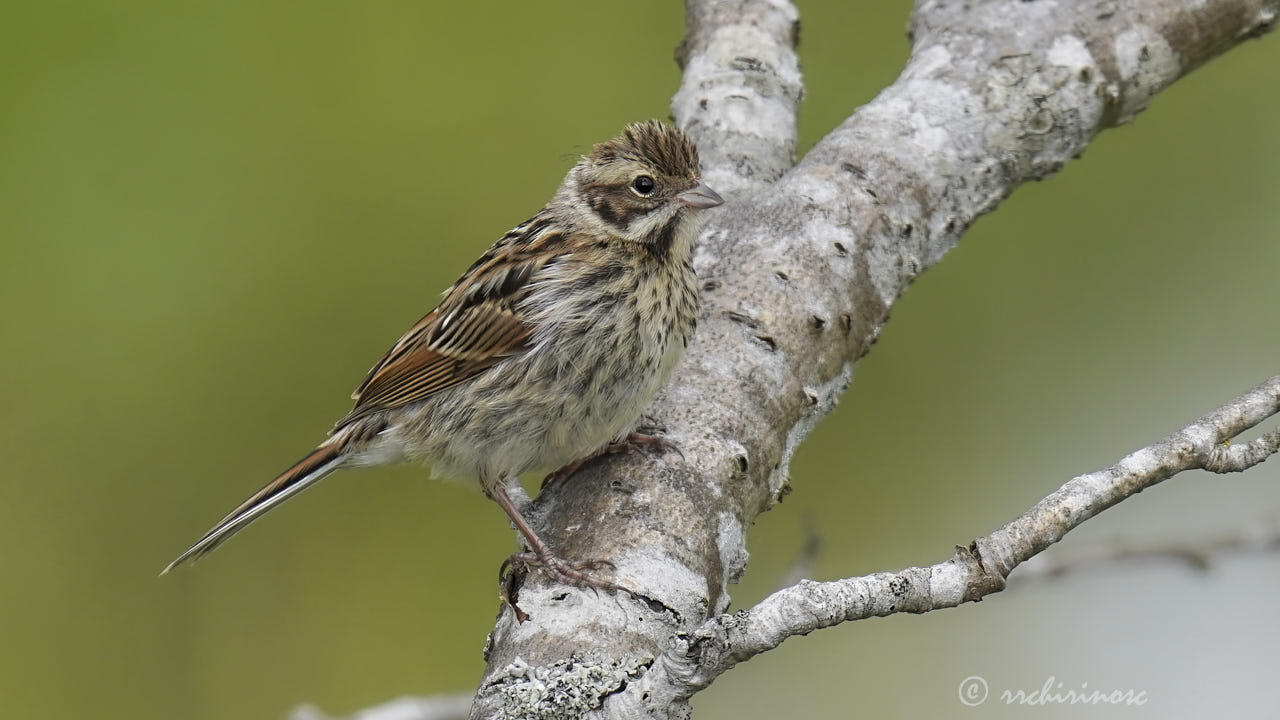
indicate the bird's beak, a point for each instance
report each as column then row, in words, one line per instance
column 700, row 197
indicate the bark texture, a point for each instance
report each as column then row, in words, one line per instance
column 798, row 272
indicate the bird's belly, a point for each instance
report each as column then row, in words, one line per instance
column 539, row 411
column 595, row 363
column 590, row 394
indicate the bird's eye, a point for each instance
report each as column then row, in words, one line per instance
column 642, row 185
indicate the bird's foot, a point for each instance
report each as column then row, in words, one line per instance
column 639, row 439
column 565, row 572
column 576, row 574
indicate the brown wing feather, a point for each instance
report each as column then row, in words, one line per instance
column 474, row 328
column 436, row 355
column 409, row 340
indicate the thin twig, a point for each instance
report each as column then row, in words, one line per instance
column 972, row 573
column 1199, row 556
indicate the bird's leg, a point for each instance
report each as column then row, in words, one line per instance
column 541, row 556
column 638, row 439
column 565, row 472
column 632, row 440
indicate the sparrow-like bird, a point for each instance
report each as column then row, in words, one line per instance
column 545, row 351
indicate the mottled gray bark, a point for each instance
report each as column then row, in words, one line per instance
column 694, row 660
column 799, row 270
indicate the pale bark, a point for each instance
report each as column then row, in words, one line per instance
column 694, row 661
column 799, row 270
column 444, row 707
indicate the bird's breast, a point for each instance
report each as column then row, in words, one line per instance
column 608, row 348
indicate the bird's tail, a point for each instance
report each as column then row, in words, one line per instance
column 305, row 473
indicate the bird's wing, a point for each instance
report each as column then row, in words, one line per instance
column 475, row 326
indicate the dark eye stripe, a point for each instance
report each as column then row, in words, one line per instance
column 606, row 211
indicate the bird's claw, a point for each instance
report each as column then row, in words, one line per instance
column 639, row 439
column 576, row 574
column 565, row 572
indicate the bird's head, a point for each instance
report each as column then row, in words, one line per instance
column 643, row 185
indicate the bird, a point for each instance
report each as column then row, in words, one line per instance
column 544, row 353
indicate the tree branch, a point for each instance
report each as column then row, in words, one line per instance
column 1236, row 458
column 799, row 270
column 972, row 573
column 1261, row 537
column 741, row 89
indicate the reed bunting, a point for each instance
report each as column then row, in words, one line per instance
column 545, row 351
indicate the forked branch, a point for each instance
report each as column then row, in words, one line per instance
column 972, row 572
column 799, row 270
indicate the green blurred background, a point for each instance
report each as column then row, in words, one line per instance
column 215, row 217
